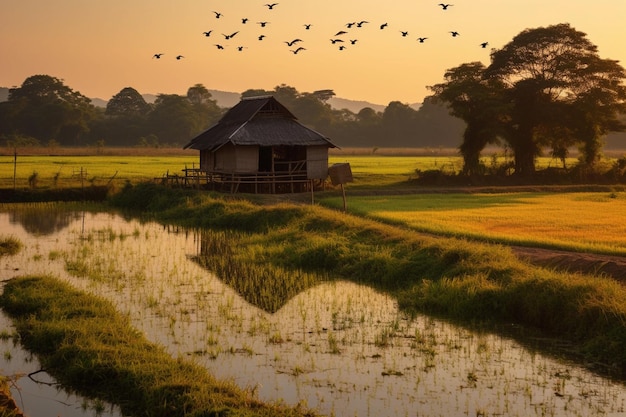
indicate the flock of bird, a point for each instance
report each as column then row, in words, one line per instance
column 338, row 39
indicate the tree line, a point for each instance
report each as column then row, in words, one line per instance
column 44, row 111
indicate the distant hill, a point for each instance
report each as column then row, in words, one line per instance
column 98, row 102
column 356, row 106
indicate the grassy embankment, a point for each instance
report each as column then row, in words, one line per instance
column 455, row 278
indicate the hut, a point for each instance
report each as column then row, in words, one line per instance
column 259, row 146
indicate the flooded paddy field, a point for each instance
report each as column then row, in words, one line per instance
column 337, row 347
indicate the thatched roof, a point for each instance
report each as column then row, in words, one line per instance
column 261, row 121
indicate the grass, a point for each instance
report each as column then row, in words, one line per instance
column 455, row 278
column 582, row 221
column 9, row 245
column 82, row 341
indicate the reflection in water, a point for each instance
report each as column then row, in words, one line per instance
column 268, row 288
column 38, row 222
column 335, row 346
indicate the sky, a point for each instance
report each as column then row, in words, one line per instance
column 99, row 47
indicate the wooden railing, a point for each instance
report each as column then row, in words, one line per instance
column 292, row 180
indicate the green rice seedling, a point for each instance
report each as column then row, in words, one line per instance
column 54, row 255
column 333, row 344
column 10, row 245
column 276, row 338
column 383, row 338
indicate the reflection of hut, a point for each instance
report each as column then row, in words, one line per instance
column 259, row 146
column 264, row 287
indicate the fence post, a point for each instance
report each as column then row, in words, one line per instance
column 14, row 166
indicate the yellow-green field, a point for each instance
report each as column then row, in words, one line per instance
column 581, row 221
column 64, row 171
column 63, row 167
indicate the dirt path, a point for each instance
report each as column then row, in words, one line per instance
column 612, row 266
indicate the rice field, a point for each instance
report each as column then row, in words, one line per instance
column 336, row 347
column 581, row 221
column 67, row 169
column 70, row 170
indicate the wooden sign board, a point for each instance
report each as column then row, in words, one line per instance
column 340, row 173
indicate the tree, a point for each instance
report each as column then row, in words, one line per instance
column 46, row 109
column 312, row 111
column 199, row 94
column 553, row 75
column 205, row 108
column 476, row 101
column 399, row 121
column 128, row 102
column 598, row 106
column 252, row 92
column 323, row 95
column 173, row 119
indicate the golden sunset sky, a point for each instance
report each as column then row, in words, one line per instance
column 98, row 47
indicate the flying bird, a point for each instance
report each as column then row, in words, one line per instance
column 384, row 25
column 353, row 41
column 230, row 36
column 271, row 6
column 293, row 42
column 244, row 20
column 404, row 33
column 262, row 24
column 349, row 25
column 307, row 26
column 179, row 57
column 219, row 46
column 218, row 15
column 342, row 47
column 157, row 56
column 484, row 44
column 341, row 32
column 241, row 48
column 454, row 33
column 295, row 51
column 445, row 6
column 261, row 37
column 334, row 41
column 421, row 39
column 207, row 34
column 360, row 24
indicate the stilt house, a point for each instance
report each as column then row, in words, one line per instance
column 259, row 146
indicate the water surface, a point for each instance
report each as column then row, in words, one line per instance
column 338, row 347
